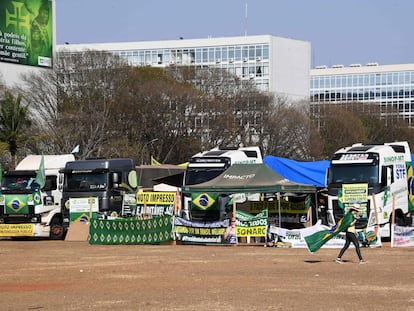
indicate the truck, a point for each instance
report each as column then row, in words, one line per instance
column 381, row 170
column 205, row 166
column 112, row 182
column 27, row 209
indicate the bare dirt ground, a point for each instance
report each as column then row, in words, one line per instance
column 62, row 275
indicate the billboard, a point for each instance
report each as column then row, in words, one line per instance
column 26, row 32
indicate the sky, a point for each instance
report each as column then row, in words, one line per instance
column 340, row 31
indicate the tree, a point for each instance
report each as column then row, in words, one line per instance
column 348, row 123
column 14, row 121
column 73, row 103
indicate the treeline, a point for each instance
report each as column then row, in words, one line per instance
column 110, row 109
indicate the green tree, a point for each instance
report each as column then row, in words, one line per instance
column 14, row 121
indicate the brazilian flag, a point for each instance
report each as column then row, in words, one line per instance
column 16, row 204
column 37, row 198
column 41, row 174
column 318, row 239
column 204, row 201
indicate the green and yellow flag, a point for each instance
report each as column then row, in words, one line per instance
column 316, row 240
column 41, row 174
column 154, row 161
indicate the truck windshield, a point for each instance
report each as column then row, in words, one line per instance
column 85, row 182
column 197, row 176
column 19, row 182
column 354, row 174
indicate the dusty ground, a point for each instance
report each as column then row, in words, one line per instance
column 62, row 275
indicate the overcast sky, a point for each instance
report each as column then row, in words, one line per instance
column 340, row 32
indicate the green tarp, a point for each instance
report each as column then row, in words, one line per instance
column 250, row 178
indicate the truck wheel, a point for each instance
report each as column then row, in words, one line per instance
column 56, row 229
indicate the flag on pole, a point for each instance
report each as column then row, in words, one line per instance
column 41, row 175
column 154, row 161
column 76, row 149
column 316, row 240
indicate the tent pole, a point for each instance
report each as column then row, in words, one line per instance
column 280, row 213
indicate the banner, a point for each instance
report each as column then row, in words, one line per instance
column 7, row 230
column 156, row 203
column 83, row 209
column 26, row 32
column 355, row 193
column 195, row 232
column 251, row 225
column 402, row 236
column 131, row 231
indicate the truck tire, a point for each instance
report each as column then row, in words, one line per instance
column 56, row 229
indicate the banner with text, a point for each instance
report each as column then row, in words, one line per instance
column 194, row 232
column 251, row 225
column 26, row 32
column 402, row 236
column 156, row 203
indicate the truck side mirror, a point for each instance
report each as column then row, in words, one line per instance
column 115, row 179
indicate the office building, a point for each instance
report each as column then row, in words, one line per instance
column 277, row 65
column 389, row 86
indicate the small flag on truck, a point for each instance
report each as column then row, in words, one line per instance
column 41, row 175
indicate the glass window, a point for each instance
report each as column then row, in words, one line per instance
column 147, row 57
column 154, row 57
column 407, row 79
column 266, row 71
column 245, row 71
column 265, row 51
column 218, row 54
column 238, row 71
column 205, row 55
column 231, row 52
column 179, row 56
column 198, row 54
column 224, row 54
column 238, row 53
column 258, row 51
column 211, row 55
column 245, row 53
column 258, row 71
column 252, row 51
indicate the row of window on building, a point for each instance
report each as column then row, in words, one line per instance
column 365, row 94
column 359, row 80
column 207, row 55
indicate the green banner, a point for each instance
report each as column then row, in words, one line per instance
column 16, row 204
column 131, row 231
column 26, row 32
column 196, row 232
column 251, row 225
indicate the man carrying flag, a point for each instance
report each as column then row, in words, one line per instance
column 347, row 223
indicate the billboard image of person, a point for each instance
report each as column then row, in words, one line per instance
column 26, row 32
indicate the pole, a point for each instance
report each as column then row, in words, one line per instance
column 392, row 220
column 143, row 147
column 376, row 215
column 278, row 207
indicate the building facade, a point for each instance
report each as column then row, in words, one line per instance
column 277, row 65
column 391, row 87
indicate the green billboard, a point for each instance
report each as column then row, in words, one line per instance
column 26, row 32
